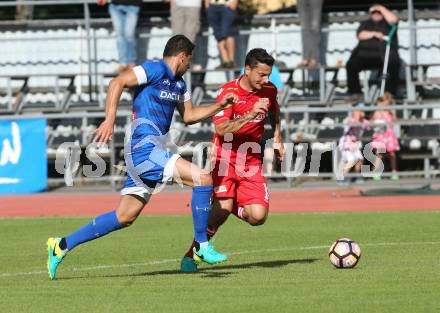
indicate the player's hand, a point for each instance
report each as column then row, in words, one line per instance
column 260, row 107
column 104, row 132
column 228, row 100
column 101, row 2
column 279, row 150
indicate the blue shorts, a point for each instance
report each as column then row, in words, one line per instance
column 146, row 167
column 222, row 20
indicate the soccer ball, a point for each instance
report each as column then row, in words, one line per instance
column 344, row 253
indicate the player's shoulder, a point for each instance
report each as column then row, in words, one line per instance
column 228, row 87
column 154, row 66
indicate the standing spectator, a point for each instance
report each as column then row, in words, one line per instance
column 185, row 17
column 310, row 18
column 384, row 137
column 24, row 12
column 370, row 51
column 221, row 17
column 124, row 15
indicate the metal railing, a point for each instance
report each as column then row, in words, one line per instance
column 95, row 81
column 289, row 127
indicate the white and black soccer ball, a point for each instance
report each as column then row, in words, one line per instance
column 344, row 253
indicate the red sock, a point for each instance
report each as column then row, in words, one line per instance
column 210, row 232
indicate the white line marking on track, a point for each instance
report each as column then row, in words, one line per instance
column 164, row 261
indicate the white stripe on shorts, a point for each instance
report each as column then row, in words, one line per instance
column 167, row 175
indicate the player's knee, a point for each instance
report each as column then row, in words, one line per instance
column 205, row 179
column 126, row 219
column 257, row 222
column 257, row 217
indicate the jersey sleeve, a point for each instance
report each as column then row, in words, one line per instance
column 226, row 113
column 185, row 93
column 148, row 72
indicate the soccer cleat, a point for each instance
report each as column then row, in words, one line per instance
column 188, row 265
column 377, row 178
column 395, row 177
column 207, row 254
column 55, row 256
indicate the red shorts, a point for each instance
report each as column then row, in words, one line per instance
column 244, row 190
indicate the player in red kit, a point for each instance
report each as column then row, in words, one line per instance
column 237, row 171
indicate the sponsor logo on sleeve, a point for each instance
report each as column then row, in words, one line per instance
column 221, row 188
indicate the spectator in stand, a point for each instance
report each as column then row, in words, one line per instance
column 221, row 17
column 370, row 51
column 384, row 136
column 310, row 18
column 185, row 17
column 124, row 15
column 350, row 143
column 24, row 12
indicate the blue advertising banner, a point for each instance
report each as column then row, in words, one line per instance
column 23, row 158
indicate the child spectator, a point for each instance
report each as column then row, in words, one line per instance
column 384, row 137
column 350, row 143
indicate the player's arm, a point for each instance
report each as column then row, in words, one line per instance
column 275, row 121
column 226, row 125
column 125, row 80
column 193, row 114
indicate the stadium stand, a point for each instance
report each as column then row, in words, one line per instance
column 59, row 69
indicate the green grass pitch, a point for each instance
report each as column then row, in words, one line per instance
column 279, row 267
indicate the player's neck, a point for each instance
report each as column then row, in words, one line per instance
column 171, row 62
column 245, row 84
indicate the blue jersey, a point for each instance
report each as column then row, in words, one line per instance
column 156, row 97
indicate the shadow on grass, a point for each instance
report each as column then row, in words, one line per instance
column 216, row 271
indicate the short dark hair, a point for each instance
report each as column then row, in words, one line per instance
column 178, row 44
column 258, row 55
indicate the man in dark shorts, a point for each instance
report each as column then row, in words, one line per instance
column 221, row 17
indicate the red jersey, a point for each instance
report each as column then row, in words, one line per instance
column 252, row 131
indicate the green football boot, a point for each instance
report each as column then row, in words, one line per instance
column 188, row 265
column 55, row 256
column 207, row 254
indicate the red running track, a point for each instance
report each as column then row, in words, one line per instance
column 86, row 204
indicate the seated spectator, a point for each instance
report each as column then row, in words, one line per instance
column 221, row 17
column 370, row 51
column 384, row 137
column 350, row 143
column 124, row 15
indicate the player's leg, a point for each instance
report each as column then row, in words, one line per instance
column 254, row 214
column 201, row 181
column 252, row 200
column 132, row 202
column 221, row 209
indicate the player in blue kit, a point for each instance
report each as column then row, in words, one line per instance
column 160, row 89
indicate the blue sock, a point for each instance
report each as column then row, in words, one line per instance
column 100, row 226
column 201, row 206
